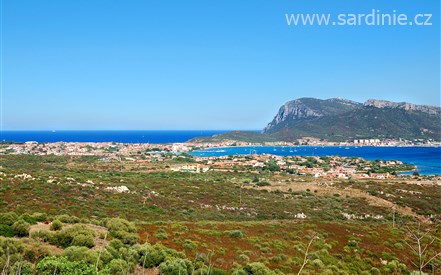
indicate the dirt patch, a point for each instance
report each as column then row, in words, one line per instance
column 329, row 190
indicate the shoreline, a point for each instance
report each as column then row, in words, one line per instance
column 214, row 144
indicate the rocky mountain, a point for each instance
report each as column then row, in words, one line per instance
column 433, row 110
column 309, row 108
column 340, row 119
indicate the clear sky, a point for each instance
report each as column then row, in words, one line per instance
column 202, row 64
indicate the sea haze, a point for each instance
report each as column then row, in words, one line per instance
column 132, row 136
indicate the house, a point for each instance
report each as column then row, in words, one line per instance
column 199, row 168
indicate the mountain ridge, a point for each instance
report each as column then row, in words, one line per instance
column 340, row 119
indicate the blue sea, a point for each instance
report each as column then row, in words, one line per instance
column 141, row 136
column 427, row 159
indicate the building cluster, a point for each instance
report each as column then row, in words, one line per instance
column 101, row 149
column 318, row 167
column 192, row 168
column 368, row 142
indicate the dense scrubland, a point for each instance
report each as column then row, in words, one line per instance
column 82, row 215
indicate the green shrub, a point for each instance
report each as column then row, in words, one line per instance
column 243, row 258
column 39, row 217
column 237, row 234
column 67, row 219
column 395, row 267
column 77, row 254
column 257, row 269
column 22, row 268
column 175, row 266
column 153, row 255
column 43, row 235
column 117, row 267
column 6, row 231
column 56, row 225
column 65, row 237
column 62, row 266
column 399, row 246
column 83, row 240
column 126, row 237
column 118, row 224
column 8, row 218
column 21, row 228
column 28, row 218
column 190, row 245
column 161, row 234
column 218, row 271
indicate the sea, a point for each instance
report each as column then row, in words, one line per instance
column 132, row 136
column 427, row 159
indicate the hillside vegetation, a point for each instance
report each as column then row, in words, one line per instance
column 80, row 215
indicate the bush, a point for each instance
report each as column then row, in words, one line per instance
column 218, row 271
column 61, row 265
column 117, row 267
column 67, row 219
column 6, row 231
column 8, row 218
column 65, row 237
column 56, row 225
column 78, row 254
column 123, row 230
column 257, row 269
column 34, row 251
column 39, row 217
column 21, row 228
column 161, row 234
column 115, row 243
column 117, row 224
column 399, row 246
column 153, row 255
column 237, row 234
column 28, row 218
column 176, row 267
column 83, row 240
column 243, row 258
column 190, row 245
column 126, row 237
column 43, row 235
column 22, row 268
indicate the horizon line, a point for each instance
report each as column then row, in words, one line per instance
column 64, row 130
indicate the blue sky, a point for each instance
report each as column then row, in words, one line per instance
column 196, row 64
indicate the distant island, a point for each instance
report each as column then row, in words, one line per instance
column 342, row 120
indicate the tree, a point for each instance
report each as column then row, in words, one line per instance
column 422, row 244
